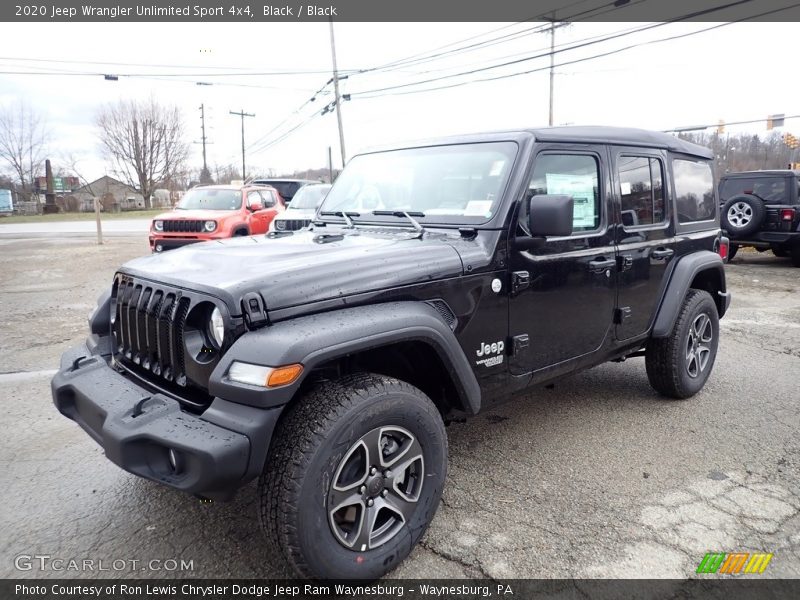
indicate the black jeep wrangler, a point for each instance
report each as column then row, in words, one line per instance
column 762, row 209
column 438, row 279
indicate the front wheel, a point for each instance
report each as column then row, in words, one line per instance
column 678, row 365
column 354, row 477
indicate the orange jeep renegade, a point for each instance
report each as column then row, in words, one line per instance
column 211, row 212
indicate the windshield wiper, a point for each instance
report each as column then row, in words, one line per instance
column 344, row 214
column 407, row 214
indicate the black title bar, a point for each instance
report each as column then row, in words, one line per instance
column 397, row 10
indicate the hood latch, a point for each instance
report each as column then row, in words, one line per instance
column 255, row 311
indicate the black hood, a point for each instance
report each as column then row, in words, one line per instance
column 308, row 266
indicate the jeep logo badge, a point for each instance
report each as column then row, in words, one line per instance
column 495, row 348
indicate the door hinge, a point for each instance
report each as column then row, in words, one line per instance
column 519, row 343
column 519, row 281
column 621, row 314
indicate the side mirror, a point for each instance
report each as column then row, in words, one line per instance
column 550, row 215
column 254, row 206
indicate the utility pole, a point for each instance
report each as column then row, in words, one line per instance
column 205, row 174
column 337, row 99
column 330, row 165
column 242, row 114
column 203, row 138
column 552, row 63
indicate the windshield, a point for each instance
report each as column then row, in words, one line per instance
column 456, row 183
column 309, row 196
column 211, row 199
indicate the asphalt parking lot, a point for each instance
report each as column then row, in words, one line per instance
column 595, row 478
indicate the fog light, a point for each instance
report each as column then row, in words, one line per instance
column 159, row 247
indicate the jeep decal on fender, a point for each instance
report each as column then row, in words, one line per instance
column 495, row 348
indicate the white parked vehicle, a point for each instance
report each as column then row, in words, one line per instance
column 303, row 208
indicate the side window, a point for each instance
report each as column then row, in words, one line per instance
column 694, row 190
column 575, row 175
column 641, row 190
column 269, row 198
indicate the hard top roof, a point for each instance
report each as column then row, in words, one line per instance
column 583, row 134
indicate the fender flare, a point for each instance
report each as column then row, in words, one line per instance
column 684, row 272
column 238, row 227
column 319, row 338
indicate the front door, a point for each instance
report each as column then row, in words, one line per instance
column 645, row 238
column 565, row 290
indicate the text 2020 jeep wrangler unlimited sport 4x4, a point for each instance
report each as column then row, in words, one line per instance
column 438, row 279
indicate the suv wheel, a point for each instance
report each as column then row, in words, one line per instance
column 743, row 215
column 732, row 250
column 679, row 365
column 780, row 251
column 354, row 477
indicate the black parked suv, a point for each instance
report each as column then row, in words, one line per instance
column 762, row 209
column 439, row 279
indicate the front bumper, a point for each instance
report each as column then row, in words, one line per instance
column 213, row 453
column 170, row 243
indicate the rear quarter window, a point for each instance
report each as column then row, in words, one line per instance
column 694, row 190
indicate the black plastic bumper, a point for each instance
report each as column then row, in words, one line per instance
column 212, row 454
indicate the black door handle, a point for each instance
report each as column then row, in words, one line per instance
column 598, row 265
column 662, row 253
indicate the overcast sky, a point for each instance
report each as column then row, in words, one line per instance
column 737, row 72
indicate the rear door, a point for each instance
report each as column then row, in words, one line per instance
column 645, row 236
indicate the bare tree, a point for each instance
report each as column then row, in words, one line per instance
column 145, row 142
column 23, row 142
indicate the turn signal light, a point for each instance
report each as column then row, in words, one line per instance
column 284, row 375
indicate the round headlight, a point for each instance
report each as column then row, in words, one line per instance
column 158, row 225
column 216, row 327
column 210, row 226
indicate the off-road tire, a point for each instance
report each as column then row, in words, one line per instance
column 780, row 251
column 309, row 444
column 666, row 358
column 732, row 250
column 748, row 219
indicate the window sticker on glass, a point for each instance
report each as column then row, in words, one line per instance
column 626, row 188
column 581, row 188
column 496, row 168
column 478, row 208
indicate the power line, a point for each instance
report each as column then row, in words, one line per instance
column 428, row 57
column 275, row 72
column 376, row 94
column 573, row 47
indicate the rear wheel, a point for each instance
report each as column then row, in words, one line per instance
column 678, row 366
column 732, row 250
column 354, row 477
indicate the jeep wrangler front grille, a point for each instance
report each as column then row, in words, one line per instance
column 183, row 226
column 148, row 330
column 291, row 224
